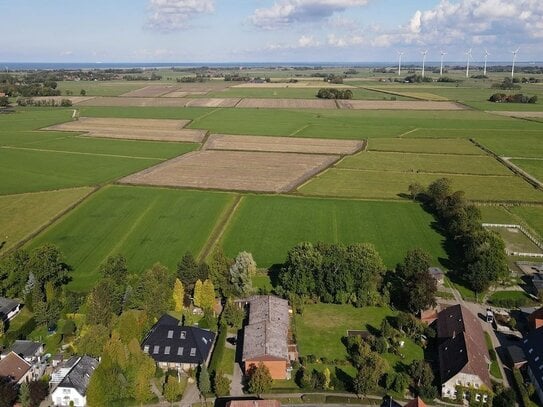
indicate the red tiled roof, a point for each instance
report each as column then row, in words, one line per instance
column 14, row 366
column 416, row 403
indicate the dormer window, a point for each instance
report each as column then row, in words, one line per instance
column 183, row 334
column 170, row 334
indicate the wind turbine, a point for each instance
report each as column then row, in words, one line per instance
column 486, row 60
column 514, row 60
column 443, row 53
column 424, row 53
column 400, row 55
column 469, row 59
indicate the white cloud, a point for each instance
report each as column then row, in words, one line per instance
column 284, row 12
column 306, row 41
column 346, row 41
column 172, row 15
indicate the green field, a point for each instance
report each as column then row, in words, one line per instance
column 516, row 241
column 496, row 214
column 424, row 163
column 100, row 88
column 425, row 145
column 347, row 183
column 22, row 215
column 146, row 225
column 268, row 226
column 320, row 330
column 532, row 167
column 533, row 215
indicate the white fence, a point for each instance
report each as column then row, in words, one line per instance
column 523, row 230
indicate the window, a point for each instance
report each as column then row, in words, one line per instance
column 477, row 397
column 146, row 348
column 183, row 334
column 180, row 351
column 156, row 349
column 192, row 351
column 531, row 350
column 167, row 350
column 537, row 359
column 170, row 334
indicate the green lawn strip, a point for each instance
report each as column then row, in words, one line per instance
column 322, row 326
column 294, row 93
column 347, row 183
column 147, row 225
column 496, row 214
column 25, row 119
column 516, row 241
column 513, row 143
column 20, row 217
column 532, row 215
column 262, row 282
column 494, row 366
column 532, row 167
column 425, row 145
column 31, row 171
column 145, row 112
column 226, row 364
column 269, row 226
column 426, row 163
column 517, row 298
column 506, row 107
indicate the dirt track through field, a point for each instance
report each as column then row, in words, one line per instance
column 235, row 170
column 134, row 129
column 282, row 144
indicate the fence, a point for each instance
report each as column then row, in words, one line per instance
column 523, row 230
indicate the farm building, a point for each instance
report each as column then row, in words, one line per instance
column 178, row 347
column 463, row 354
column 72, row 389
column 8, row 308
column 15, row 367
column 265, row 338
column 533, row 349
column 437, row 274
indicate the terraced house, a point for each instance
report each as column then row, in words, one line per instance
column 463, row 356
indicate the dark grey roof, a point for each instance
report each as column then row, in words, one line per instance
column 533, row 349
column 537, row 281
column 516, row 353
column 78, row 378
column 26, row 349
column 6, row 306
column 171, row 343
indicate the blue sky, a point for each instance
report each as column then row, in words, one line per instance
column 267, row 30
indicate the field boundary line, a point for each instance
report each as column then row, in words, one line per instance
column 512, row 167
column 202, row 117
column 425, row 172
column 43, row 150
column 220, row 228
column 299, row 130
column 408, row 132
column 49, row 222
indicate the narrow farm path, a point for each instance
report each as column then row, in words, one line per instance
column 43, row 150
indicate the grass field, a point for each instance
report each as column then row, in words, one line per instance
column 296, row 93
column 146, row 225
column 496, row 214
column 424, row 163
column 533, row 215
column 425, row 145
column 320, row 330
column 516, row 241
column 100, row 88
column 347, row 183
column 532, row 167
column 22, row 215
column 268, row 226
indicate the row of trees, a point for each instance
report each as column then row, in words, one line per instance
column 333, row 93
column 44, row 102
column 517, row 98
column 480, row 252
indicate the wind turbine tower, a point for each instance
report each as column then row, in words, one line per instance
column 400, row 55
column 514, row 60
column 443, row 53
column 486, row 60
column 424, row 53
column 469, row 60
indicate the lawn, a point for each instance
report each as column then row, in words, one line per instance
column 20, row 217
column 269, row 226
column 146, row 225
column 226, row 364
column 533, row 215
column 516, row 241
column 494, row 365
column 348, row 183
column 516, row 296
column 319, row 331
column 513, row 143
column 496, row 214
column 424, row 163
column 425, row 145
column 295, row 93
column 532, row 167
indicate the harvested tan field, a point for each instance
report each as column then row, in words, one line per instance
column 297, row 85
column 397, row 105
column 522, row 115
column 151, row 91
column 212, row 102
column 283, row 144
column 182, row 94
column 288, row 104
column 208, row 86
column 235, row 170
column 134, row 129
column 75, row 99
column 135, row 102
